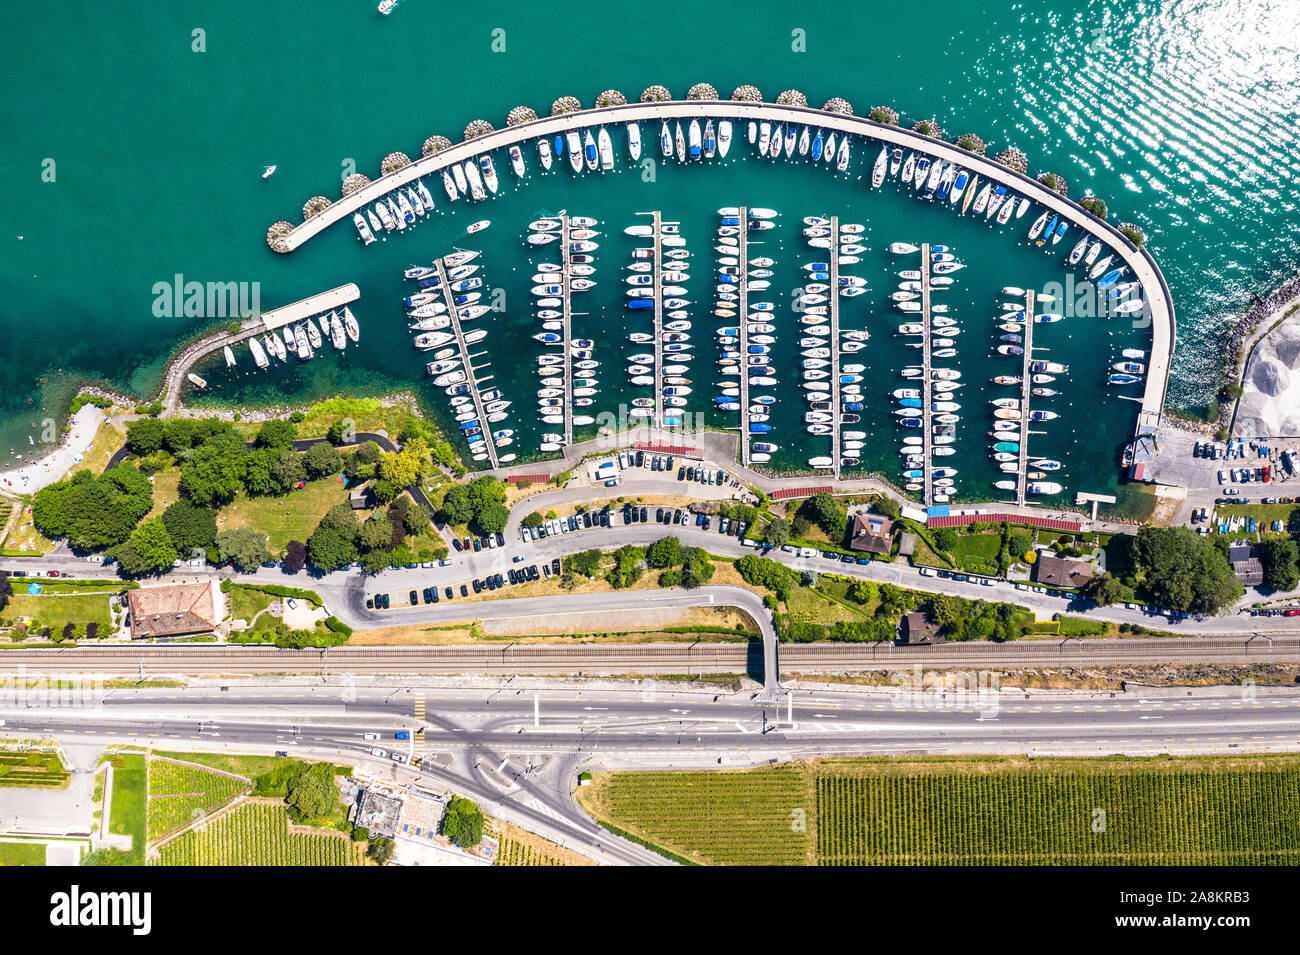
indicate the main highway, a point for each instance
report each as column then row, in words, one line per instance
column 516, row 744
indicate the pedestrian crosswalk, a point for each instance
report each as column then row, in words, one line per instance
column 418, row 737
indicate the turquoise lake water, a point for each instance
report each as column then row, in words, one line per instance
column 1182, row 114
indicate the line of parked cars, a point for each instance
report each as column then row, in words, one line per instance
column 476, row 544
column 563, row 525
column 430, row 595
column 1262, row 474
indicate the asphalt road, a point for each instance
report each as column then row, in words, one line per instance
column 517, row 745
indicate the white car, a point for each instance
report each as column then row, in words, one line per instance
column 927, row 571
column 378, row 752
column 399, row 757
column 371, row 736
column 807, row 552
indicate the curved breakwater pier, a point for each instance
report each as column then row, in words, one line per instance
column 1160, row 307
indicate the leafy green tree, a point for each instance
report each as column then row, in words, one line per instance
column 887, row 506
column 376, row 533
column 1279, row 556
column 401, row 556
column 148, row 550
column 946, row 538
column 863, row 592
column 380, row 851
column 376, row 561
column 415, row 518
column 462, row 823
column 361, row 464
column 277, row 433
column 828, row 514
column 93, row 512
column 777, row 533
column 1018, row 545
column 456, row 505
column 258, row 477
column 629, row 565
column 407, row 466
column 342, row 518
column 288, row 469
column 329, row 548
column 190, row 527
column 1181, row 571
column 587, row 562
column 322, row 459
column 6, row 591
column 533, row 519
column 179, row 434
column 491, row 518
column 242, row 546
column 1104, row 590
column 213, row 473
column 144, row 435
column 696, row 568
column 671, row 578
column 665, row 552
column 312, row 794
column 444, row 454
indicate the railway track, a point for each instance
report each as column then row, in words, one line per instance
column 643, row 658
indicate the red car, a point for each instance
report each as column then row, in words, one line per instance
column 1293, row 613
column 52, row 573
column 1267, row 476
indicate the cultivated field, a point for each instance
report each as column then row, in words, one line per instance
column 258, row 832
column 180, row 794
column 1167, row 811
column 522, row 848
column 32, row 769
column 744, row 817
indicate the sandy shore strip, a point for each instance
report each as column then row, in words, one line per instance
column 44, row 471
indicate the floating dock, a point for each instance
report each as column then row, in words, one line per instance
column 833, row 313
column 566, row 271
column 471, row 380
column 927, row 389
column 1026, row 386
column 316, row 305
column 742, row 335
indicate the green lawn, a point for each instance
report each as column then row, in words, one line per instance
column 806, row 605
column 246, row 603
column 291, row 517
column 269, row 773
column 166, row 490
column 1288, row 514
column 129, row 814
column 22, row 853
column 56, row 610
column 977, row 553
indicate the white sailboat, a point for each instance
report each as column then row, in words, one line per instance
column 724, row 137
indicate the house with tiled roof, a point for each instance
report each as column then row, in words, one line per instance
column 175, row 610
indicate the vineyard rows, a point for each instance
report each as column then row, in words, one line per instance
column 255, row 834
column 759, row 817
column 179, row 794
column 1130, row 815
column 517, row 853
